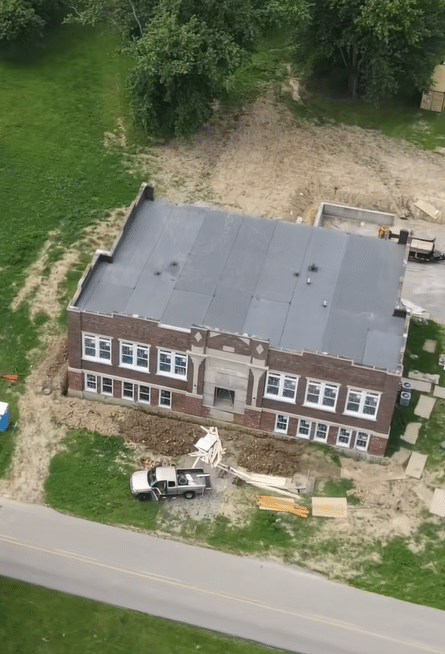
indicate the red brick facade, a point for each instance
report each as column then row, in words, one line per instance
column 252, row 355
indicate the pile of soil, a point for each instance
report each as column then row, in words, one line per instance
column 165, row 436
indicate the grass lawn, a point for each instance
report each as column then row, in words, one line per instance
column 37, row 620
column 90, row 478
column 57, row 101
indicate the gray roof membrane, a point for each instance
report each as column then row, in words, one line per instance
column 186, row 265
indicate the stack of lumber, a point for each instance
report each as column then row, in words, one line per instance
column 268, row 503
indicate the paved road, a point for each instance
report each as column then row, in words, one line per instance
column 264, row 601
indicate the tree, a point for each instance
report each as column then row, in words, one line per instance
column 25, row 18
column 376, row 42
column 185, row 50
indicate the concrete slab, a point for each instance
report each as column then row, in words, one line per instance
column 412, row 432
column 416, row 465
column 430, row 346
column 422, row 386
column 439, row 391
column 400, row 457
column 438, row 503
column 424, row 376
column 330, row 507
column 424, row 406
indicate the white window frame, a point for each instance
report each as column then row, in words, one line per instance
column 323, row 386
column 345, row 429
column 361, row 404
column 284, row 419
column 127, row 397
column 135, row 347
column 90, row 389
column 357, row 438
column 165, row 390
column 317, row 438
column 282, row 378
column 299, row 434
column 139, row 393
column 173, row 354
column 97, row 348
column 102, row 386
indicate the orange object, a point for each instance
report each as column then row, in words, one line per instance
column 10, row 377
column 268, row 503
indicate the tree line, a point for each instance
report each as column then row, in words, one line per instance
column 185, row 52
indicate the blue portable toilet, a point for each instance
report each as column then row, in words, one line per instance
column 5, row 416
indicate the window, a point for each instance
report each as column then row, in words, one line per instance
column 281, row 387
column 165, row 398
column 344, row 437
column 362, row 403
column 321, row 432
column 144, row 394
column 321, row 395
column 107, row 386
column 134, row 356
column 97, row 348
column 362, row 441
column 91, row 383
column 172, row 364
column 304, row 428
column 282, row 424
column 128, row 390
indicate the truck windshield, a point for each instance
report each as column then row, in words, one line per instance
column 151, row 477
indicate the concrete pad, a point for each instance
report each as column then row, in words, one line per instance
column 412, row 432
column 424, row 376
column 400, row 457
column 330, row 507
column 424, row 406
column 438, row 503
column 439, row 391
column 430, row 346
column 422, row 386
column 416, row 465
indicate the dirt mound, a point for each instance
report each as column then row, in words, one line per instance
column 165, row 436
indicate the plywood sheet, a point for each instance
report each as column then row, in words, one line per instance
column 330, row 507
column 416, row 465
column 438, row 503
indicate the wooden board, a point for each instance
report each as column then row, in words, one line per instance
column 268, row 503
column 416, row 465
column 330, row 507
column 438, row 503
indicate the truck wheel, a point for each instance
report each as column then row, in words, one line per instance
column 144, row 496
column 189, row 495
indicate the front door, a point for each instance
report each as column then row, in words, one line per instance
column 224, row 399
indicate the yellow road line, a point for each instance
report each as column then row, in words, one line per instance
column 175, row 582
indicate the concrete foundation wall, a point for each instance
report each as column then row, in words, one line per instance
column 344, row 212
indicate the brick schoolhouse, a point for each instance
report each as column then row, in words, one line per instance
column 274, row 326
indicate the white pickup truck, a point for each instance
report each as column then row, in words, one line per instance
column 168, row 481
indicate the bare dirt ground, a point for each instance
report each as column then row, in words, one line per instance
column 261, row 162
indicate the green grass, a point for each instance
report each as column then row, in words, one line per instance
column 418, row 578
column 56, row 174
column 415, row 356
column 38, row 620
column 90, row 478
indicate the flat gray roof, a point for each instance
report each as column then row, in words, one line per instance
column 187, row 265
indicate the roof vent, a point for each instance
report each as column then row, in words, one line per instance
column 399, row 313
column 157, row 273
column 308, row 280
column 313, row 267
column 325, row 304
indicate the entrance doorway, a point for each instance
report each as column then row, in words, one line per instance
column 224, row 399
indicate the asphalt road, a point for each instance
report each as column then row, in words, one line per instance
column 259, row 600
